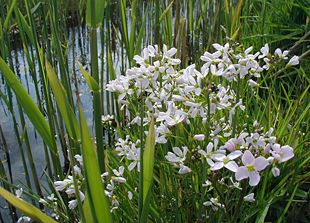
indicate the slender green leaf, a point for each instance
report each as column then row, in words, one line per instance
column 92, row 83
column 148, row 161
column 87, row 211
column 99, row 12
column 30, row 108
column 63, row 104
column 162, row 16
column 28, row 209
column 95, row 189
column 262, row 215
column 7, row 19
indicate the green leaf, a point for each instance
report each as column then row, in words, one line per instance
column 7, row 19
column 99, row 12
column 163, row 15
column 148, row 161
column 28, row 209
column 98, row 202
column 63, row 103
column 87, row 210
column 28, row 105
column 148, row 167
column 92, row 83
column 262, row 215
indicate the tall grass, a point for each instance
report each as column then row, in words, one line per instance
column 119, row 30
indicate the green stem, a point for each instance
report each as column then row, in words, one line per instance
column 97, row 101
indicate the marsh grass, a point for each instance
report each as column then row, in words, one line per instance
column 123, row 28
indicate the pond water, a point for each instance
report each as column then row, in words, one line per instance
column 80, row 47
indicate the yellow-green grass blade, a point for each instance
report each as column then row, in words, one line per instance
column 163, row 15
column 28, row 105
column 98, row 202
column 148, row 160
column 148, row 167
column 99, row 11
column 87, row 210
column 7, row 19
column 63, row 104
column 91, row 82
column 28, row 209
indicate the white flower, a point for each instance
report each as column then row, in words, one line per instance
column 264, row 50
column 208, row 153
column 178, row 155
column 19, row 192
column 77, row 171
column 61, row 185
column 184, row 169
column 278, row 52
column 214, row 203
column 23, row 219
column 226, row 161
column 293, row 61
column 79, row 158
column 129, row 195
column 253, row 83
column 282, row 153
column 144, row 59
column 256, row 140
column 73, row 204
column 275, row 171
column 251, row 168
column 199, row 137
column 119, row 175
column 249, row 198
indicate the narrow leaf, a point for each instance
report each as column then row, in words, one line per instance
column 95, row 189
column 162, row 16
column 28, row 209
column 99, row 12
column 148, row 161
column 28, row 105
column 63, row 103
column 92, row 83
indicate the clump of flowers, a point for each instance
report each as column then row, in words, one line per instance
column 196, row 126
column 206, row 96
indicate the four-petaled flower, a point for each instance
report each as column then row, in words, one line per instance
column 251, row 168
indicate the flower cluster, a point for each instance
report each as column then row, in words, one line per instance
column 178, row 97
column 202, row 103
column 67, row 185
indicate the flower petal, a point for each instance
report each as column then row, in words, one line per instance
column 254, row 178
column 217, row 166
column 242, row 173
column 248, row 158
column 234, row 155
column 232, row 166
column 260, row 163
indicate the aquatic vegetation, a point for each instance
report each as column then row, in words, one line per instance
column 209, row 125
column 191, row 100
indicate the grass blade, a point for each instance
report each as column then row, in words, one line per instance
column 91, row 82
column 28, row 209
column 99, row 12
column 148, row 167
column 28, row 105
column 97, row 199
column 63, row 104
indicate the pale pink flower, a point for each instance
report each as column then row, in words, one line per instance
column 251, row 168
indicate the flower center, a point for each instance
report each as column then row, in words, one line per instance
column 226, row 160
column 251, row 167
